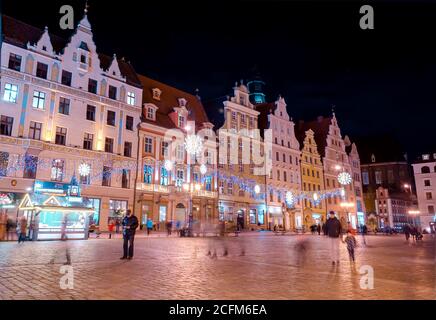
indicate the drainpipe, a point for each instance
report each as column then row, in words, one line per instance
column 137, row 167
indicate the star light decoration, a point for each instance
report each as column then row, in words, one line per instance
column 193, row 144
column 84, row 169
column 344, row 178
column 290, row 198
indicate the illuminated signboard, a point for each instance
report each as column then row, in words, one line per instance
column 49, row 187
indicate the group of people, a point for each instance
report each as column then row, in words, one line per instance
column 8, row 227
column 411, row 230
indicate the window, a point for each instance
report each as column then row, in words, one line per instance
column 230, row 188
column 150, row 113
column 4, row 160
column 284, row 158
column 285, row 176
column 251, row 122
column 90, row 113
column 64, row 106
column 125, row 179
column 92, row 86
column 113, row 92
column 181, row 121
column 82, row 58
column 278, row 175
column 131, row 98
column 14, row 62
column 378, row 177
column 243, row 118
column 148, row 145
column 109, row 145
column 163, row 176
column 41, row 70
column 365, row 177
column 425, row 169
column 208, row 183
column 61, row 136
column 156, row 93
column 148, row 174
column 221, row 186
column 106, row 176
column 6, row 124
column 57, row 170
column 427, row 183
column 277, row 156
column 428, row 196
column 430, row 209
column 110, row 120
column 66, row 77
column 179, row 177
column 425, row 157
column 117, row 206
column 88, row 141
column 35, row 130
column 252, row 216
column 127, row 149
column 11, row 93
column 164, row 149
column 162, row 213
column 180, row 152
column 30, row 166
column 129, row 123
column 38, row 99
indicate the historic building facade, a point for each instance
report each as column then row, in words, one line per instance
column 67, row 110
column 425, row 179
column 312, row 179
column 241, row 164
column 335, row 160
column 173, row 183
column 284, row 175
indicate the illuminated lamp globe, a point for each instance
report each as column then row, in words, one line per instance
column 344, row 178
column 256, row 188
column 203, row 169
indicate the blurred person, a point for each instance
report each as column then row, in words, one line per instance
column 22, row 229
column 130, row 223
column 149, row 226
column 169, row 227
column 318, row 229
column 111, row 228
column 333, row 230
column 351, row 243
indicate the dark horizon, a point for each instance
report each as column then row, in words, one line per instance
column 380, row 81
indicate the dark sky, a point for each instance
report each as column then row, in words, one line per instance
column 382, row 81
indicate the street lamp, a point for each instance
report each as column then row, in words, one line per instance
column 408, row 186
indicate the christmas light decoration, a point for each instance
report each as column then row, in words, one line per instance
column 193, row 144
column 203, row 169
column 256, row 188
column 84, row 169
column 290, row 198
column 168, row 164
column 344, row 178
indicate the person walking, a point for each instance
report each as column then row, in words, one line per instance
column 406, row 230
column 21, row 229
column 149, row 226
column 111, row 227
column 169, row 227
column 130, row 223
column 117, row 225
column 364, row 231
column 333, row 230
column 351, row 242
column 318, row 229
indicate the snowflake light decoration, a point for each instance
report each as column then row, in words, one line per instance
column 289, row 197
column 84, row 169
column 256, row 188
column 203, row 169
column 193, row 144
column 344, row 178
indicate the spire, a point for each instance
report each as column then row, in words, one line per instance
column 333, row 109
column 85, row 22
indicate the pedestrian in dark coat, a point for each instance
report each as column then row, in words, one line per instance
column 318, row 228
column 333, row 230
column 130, row 223
column 406, row 230
column 351, row 242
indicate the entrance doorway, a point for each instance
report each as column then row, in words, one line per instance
column 240, row 219
column 180, row 214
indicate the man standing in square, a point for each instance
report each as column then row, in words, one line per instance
column 333, row 231
column 130, row 223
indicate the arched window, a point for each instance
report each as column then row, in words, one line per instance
column 425, row 169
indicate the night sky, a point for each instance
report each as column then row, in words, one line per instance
column 381, row 81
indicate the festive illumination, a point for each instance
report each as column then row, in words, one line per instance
column 168, row 164
column 256, row 188
column 186, row 186
column 84, row 169
column 197, row 187
column 315, row 197
column 193, row 144
column 289, row 198
column 344, row 178
column 203, row 169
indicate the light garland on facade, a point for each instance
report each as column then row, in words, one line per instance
column 193, row 144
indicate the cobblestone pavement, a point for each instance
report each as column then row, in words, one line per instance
column 256, row 267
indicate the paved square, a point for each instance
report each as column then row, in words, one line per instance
column 257, row 266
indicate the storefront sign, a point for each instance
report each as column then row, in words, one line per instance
column 48, row 187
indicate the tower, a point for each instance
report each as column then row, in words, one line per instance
column 256, row 87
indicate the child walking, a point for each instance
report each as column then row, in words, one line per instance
column 351, row 242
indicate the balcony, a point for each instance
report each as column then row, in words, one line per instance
column 147, row 187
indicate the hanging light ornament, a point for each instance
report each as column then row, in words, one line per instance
column 168, row 164
column 84, row 169
column 256, row 188
column 203, row 169
column 315, row 197
column 344, row 178
column 289, row 197
column 193, row 144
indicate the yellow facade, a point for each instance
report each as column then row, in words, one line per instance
column 312, row 179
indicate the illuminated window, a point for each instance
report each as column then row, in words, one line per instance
column 163, row 176
column 179, row 177
column 61, row 136
column 148, row 174
column 11, row 93
column 131, row 98
column 38, row 100
column 148, row 144
column 57, row 170
column 181, row 121
column 150, row 113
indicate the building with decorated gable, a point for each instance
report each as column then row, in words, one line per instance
column 312, row 179
column 242, row 164
column 173, row 183
column 336, row 167
column 284, row 175
column 65, row 108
